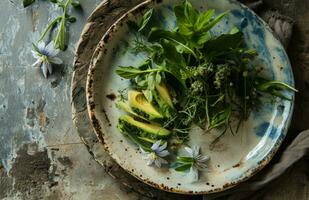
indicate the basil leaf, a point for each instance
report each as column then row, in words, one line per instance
column 184, row 24
column 190, row 13
column 145, row 19
column 203, row 19
column 186, row 17
column 224, row 42
column 170, row 52
column 27, row 3
column 158, row 34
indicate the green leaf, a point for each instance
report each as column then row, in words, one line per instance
column 234, row 30
column 182, row 168
column 184, row 159
column 76, row 4
column 186, row 17
column 213, row 22
column 275, row 84
column 170, row 52
column 190, row 13
column 128, row 72
column 156, row 35
column 221, row 117
column 224, row 42
column 62, row 45
column 202, row 38
column 275, row 88
column 183, row 23
column 148, row 94
column 175, row 71
column 158, row 78
column 27, row 3
column 145, row 20
column 203, row 19
column 151, row 81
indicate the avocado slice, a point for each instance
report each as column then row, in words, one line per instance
column 138, row 102
column 151, row 128
column 125, row 107
column 164, row 94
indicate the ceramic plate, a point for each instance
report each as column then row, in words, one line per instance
column 234, row 158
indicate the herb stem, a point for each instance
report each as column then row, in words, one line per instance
column 245, row 97
column 60, row 37
column 207, row 112
column 49, row 27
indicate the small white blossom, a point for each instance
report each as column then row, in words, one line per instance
column 199, row 161
column 45, row 56
column 155, row 156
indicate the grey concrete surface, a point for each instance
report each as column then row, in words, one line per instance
column 42, row 156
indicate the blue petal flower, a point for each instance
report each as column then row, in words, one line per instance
column 156, row 155
column 45, row 56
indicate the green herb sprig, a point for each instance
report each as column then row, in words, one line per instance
column 59, row 22
column 216, row 78
column 191, row 77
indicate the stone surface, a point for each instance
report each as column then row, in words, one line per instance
column 42, row 156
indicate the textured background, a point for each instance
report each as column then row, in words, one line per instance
column 42, row 156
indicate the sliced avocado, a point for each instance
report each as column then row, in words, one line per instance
column 130, row 133
column 151, row 128
column 138, row 101
column 164, row 94
column 125, row 107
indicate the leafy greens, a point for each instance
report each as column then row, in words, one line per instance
column 209, row 78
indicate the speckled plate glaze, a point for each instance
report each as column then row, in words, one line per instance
column 234, row 158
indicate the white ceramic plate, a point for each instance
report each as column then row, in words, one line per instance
column 234, row 158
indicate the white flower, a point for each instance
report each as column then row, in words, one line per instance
column 199, row 163
column 46, row 55
column 155, row 156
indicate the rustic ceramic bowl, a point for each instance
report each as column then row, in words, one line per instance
column 234, row 158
